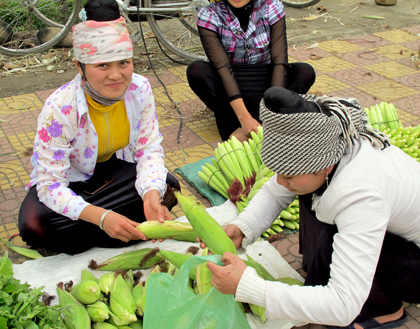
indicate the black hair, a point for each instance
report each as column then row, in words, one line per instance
column 102, row 10
column 284, row 101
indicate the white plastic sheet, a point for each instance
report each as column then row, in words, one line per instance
column 49, row 271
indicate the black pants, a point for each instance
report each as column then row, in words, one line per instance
column 253, row 81
column 41, row 227
column 397, row 273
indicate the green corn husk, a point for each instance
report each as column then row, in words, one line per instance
column 132, row 260
column 168, row 229
column 264, row 274
column 188, row 237
column 203, row 281
column 103, row 325
column 87, row 275
column 105, row 282
column 290, row 281
column 75, row 313
column 207, row 228
column 121, row 302
column 136, row 325
column 259, row 311
column 86, row 292
column 98, row 311
column 129, row 279
column 137, row 293
column 178, row 259
column 30, row 253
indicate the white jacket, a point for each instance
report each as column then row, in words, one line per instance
column 65, row 147
column 372, row 191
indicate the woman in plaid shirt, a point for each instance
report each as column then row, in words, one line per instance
column 245, row 42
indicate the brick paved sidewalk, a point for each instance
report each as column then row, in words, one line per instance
column 373, row 68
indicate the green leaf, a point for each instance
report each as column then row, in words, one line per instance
column 6, row 271
column 30, row 253
column 3, row 323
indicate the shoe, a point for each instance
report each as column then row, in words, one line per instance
column 373, row 324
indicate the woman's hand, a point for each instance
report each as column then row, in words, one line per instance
column 115, row 225
column 233, row 232
column 153, row 209
column 122, row 228
column 250, row 124
column 226, row 278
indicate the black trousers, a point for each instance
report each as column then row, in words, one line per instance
column 397, row 273
column 41, row 227
column 253, row 81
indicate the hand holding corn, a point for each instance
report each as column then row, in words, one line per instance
column 233, row 232
column 226, row 278
column 115, row 225
column 153, row 209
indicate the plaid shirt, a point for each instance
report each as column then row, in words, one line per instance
column 252, row 46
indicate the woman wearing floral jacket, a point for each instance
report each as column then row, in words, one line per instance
column 98, row 164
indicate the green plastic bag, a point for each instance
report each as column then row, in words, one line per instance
column 171, row 304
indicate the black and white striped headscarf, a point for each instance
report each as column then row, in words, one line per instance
column 303, row 143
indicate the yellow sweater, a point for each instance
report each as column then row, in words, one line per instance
column 112, row 126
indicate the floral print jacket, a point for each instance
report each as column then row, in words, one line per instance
column 65, row 147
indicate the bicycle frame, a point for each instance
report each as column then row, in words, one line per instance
column 187, row 6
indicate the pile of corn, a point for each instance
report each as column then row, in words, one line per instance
column 237, row 173
column 117, row 299
column 384, row 117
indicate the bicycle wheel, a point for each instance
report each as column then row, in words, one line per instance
column 177, row 31
column 300, row 3
column 23, row 19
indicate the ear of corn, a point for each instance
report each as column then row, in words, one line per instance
column 98, row 311
column 121, row 302
column 168, row 229
column 86, row 292
column 132, row 260
column 105, row 282
column 261, row 271
column 88, row 276
column 203, row 275
column 137, row 293
column 75, row 313
column 290, row 281
column 259, row 311
column 103, row 325
column 178, row 259
column 207, row 228
column 136, row 325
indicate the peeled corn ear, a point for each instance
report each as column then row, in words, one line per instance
column 206, row 227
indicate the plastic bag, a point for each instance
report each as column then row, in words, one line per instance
column 171, row 304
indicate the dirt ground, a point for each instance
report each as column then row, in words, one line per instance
column 329, row 19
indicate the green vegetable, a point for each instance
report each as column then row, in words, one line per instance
column 20, row 304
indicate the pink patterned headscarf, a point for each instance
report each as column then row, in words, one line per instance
column 99, row 42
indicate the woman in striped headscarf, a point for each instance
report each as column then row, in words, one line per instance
column 359, row 202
